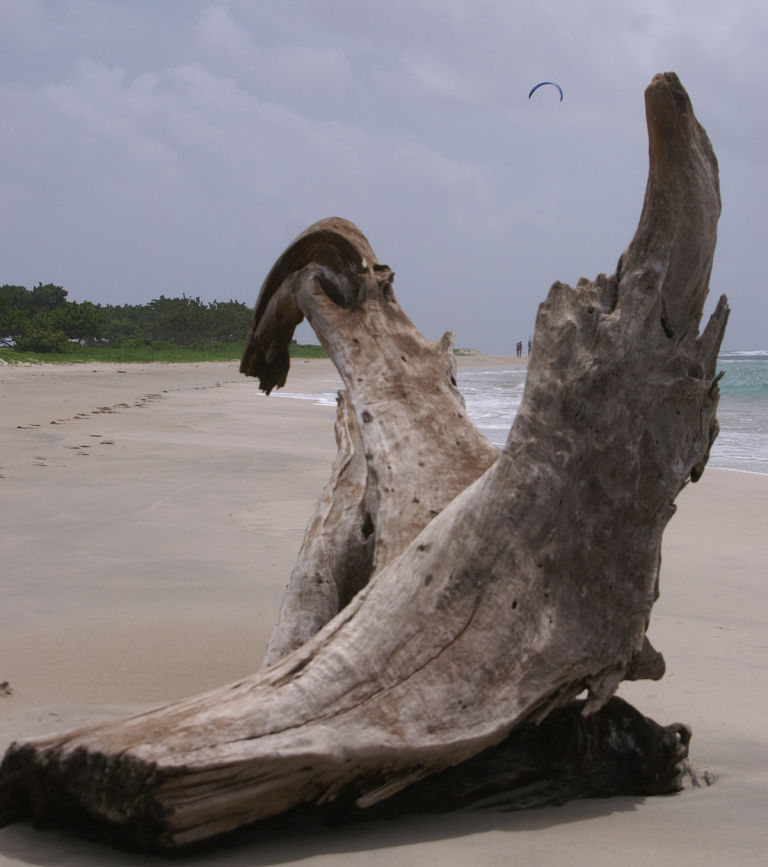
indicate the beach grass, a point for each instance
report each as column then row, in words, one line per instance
column 147, row 351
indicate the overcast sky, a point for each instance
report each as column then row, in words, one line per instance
column 177, row 146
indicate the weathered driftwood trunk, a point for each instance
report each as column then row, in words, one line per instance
column 406, row 445
column 495, row 587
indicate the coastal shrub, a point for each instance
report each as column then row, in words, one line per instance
column 42, row 341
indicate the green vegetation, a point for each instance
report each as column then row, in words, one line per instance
column 43, row 320
column 42, row 325
column 138, row 353
column 127, row 353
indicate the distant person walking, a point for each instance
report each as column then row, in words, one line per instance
column 519, row 348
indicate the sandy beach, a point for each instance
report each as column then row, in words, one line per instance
column 151, row 515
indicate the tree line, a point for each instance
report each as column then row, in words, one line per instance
column 43, row 320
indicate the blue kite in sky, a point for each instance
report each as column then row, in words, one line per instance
column 541, row 84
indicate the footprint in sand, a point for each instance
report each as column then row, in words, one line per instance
column 80, row 450
column 143, row 401
column 102, row 442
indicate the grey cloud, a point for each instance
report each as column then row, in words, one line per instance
column 180, row 146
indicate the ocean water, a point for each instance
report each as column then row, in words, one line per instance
column 742, row 413
column 493, row 397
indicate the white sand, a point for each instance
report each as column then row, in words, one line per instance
column 150, row 519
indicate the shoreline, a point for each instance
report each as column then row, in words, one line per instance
column 152, row 518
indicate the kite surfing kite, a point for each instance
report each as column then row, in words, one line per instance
column 541, row 84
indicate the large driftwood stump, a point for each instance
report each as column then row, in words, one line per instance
column 450, row 602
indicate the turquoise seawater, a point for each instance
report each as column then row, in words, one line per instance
column 743, row 413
